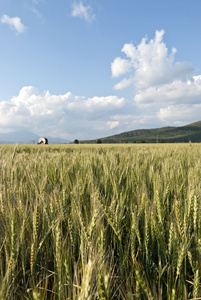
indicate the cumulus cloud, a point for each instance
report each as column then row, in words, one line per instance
column 165, row 88
column 176, row 92
column 123, row 84
column 180, row 114
column 82, row 11
column 64, row 115
column 120, row 67
column 14, row 23
column 150, row 63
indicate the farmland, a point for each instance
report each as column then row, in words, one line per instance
column 100, row 221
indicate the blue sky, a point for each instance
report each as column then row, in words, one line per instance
column 89, row 69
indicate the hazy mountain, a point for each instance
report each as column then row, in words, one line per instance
column 183, row 134
column 26, row 137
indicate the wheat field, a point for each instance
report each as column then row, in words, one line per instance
column 100, row 221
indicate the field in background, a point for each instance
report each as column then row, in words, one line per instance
column 100, row 221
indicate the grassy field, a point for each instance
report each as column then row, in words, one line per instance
column 100, row 222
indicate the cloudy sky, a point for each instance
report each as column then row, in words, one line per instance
column 88, row 69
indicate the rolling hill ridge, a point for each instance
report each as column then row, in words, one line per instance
column 183, row 134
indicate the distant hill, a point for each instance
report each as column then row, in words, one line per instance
column 183, row 134
column 26, row 137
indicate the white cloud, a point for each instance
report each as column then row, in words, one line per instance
column 60, row 115
column 113, row 124
column 123, row 83
column 151, row 63
column 81, row 11
column 120, row 67
column 164, row 89
column 180, row 114
column 14, row 23
column 178, row 91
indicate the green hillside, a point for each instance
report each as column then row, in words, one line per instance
column 183, row 134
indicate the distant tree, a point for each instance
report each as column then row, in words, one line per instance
column 99, row 141
column 76, row 141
